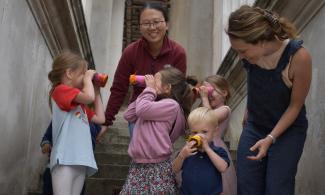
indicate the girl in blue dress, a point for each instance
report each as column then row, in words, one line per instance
column 72, row 157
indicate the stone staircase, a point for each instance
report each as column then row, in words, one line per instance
column 112, row 160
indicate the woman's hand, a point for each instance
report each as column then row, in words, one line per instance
column 262, row 145
column 101, row 134
column 150, row 81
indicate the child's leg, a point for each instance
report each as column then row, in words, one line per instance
column 83, row 189
column 68, row 180
column 47, row 182
column 62, row 177
column 78, row 179
column 131, row 127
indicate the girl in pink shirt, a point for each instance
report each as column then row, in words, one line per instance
column 159, row 114
column 217, row 101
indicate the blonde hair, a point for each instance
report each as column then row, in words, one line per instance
column 62, row 62
column 202, row 115
column 180, row 89
column 254, row 24
column 221, row 83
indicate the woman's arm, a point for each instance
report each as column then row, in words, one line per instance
column 99, row 117
column 301, row 73
column 120, row 85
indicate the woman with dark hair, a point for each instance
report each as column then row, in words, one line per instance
column 278, row 80
column 147, row 55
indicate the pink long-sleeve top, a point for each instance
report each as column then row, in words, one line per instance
column 158, row 124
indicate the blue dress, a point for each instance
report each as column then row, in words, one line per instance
column 72, row 143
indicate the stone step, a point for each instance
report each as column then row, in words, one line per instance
column 35, row 193
column 105, row 158
column 103, row 186
column 115, row 139
column 112, row 171
column 112, row 148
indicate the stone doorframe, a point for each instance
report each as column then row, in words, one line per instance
column 63, row 26
column 299, row 12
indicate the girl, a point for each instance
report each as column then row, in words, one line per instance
column 147, row 55
column 159, row 114
column 278, row 80
column 217, row 101
column 72, row 156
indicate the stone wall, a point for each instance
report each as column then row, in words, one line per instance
column 105, row 29
column 311, row 174
column 25, row 62
column 191, row 25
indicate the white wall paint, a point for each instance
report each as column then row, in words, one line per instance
column 24, row 112
column 311, row 171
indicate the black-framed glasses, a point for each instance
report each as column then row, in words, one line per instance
column 154, row 24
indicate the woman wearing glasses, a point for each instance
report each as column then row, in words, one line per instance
column 147, row 55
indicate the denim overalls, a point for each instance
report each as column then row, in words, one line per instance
column 267, row 99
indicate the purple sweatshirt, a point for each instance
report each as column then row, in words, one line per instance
column 157, row 126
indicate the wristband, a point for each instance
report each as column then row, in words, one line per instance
column 272, row 137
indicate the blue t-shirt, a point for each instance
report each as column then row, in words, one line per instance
column 200, row 176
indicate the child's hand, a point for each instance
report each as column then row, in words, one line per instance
column 46, row 148
column 97, row 89
column 150, row 81
column 205, row 143
column 89, row 74
column 203, row 91
column 188, row 150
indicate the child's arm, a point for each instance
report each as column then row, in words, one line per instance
column 186, row 151
column 46, row 143
column 204, row 96
column 99, row 116
column 87, row 94
column 149, row 109
column 220, row 163
column 222, row 113
column 130, row 114
column 217, row 161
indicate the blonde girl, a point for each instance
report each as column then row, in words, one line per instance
column 72, row 89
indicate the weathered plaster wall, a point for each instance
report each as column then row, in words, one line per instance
column 24, row 113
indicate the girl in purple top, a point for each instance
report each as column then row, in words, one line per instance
column 159, row 114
